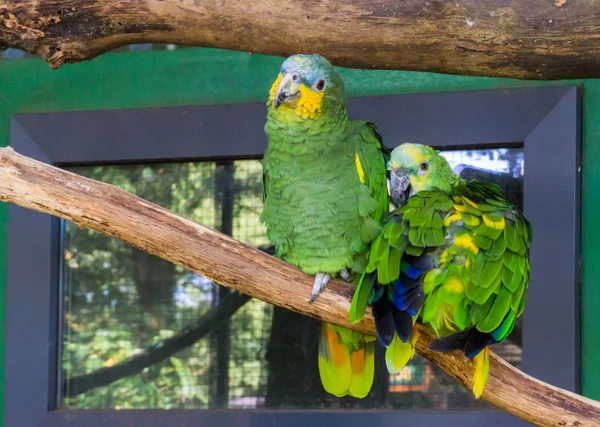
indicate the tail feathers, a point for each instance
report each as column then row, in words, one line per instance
column 384, row 321
column 482, row 369
column 390, row 321
column 477, row 342
column 475, row 345
column 471, row 342
column 419, row 264
column 334, row 363
column 345, row 372
column 398, row 354
column 407, row 294
column 450, row 343
column 363, row 370
column 404, row 284
column 410, row 301
column 403, row 323
column 403, row 299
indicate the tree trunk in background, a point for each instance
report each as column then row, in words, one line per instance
column 154, row 277
column 154, row 281
column 221, row 336
column 552, row 39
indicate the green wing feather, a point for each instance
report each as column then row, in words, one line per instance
column 501, row 267
column 487, row 262
column 371, row 158
column 489, row 259
column 416, row 226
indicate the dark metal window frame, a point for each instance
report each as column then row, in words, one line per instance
column 546, row 120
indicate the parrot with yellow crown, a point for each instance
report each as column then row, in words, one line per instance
column 455, row 255
column 325, row 194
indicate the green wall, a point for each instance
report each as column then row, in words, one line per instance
column 207, row 76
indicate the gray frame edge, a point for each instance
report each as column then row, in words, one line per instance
column 556, row 226
column 533, row 115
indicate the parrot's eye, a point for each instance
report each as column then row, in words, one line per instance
column 295, row 77
column 424, row 166
column 320, row 85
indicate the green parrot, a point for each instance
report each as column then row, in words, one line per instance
column 325, row 194
column 454, row 254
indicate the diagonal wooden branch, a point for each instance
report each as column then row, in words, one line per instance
column 116, row 213
column 533, row 39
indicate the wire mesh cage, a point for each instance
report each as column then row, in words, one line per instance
column 121, row 305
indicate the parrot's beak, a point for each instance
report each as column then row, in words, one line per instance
column 288, row 91
column 399, row 186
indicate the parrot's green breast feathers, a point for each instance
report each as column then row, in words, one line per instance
column 325, row 187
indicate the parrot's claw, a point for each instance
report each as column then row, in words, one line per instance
column 345, row 274
column 321, row 280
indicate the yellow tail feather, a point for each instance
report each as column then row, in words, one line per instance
column 363, row 371
column 482, row 369
column 398, row 354
column 342, row 372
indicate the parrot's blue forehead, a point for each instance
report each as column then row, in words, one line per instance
column 310, row 67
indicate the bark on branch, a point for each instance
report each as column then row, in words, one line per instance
column 116, row 213
column 552, row 39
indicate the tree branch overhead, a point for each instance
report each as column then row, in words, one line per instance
column 520, row 39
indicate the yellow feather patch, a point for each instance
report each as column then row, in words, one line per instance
column 465, row 241
column 429, row 280
column 452, row 218
column 444, row 257
column 447, row 319
column 453, row 284
column 482, row 369
column 309, row 104
column 470, row 220
column 398, row 354
column 415, row 154
column 359, row 169
column 470, row 202
column 414, row 337
column 275, row 86
column 460, row 208
column 489, row 221
column 394, row 164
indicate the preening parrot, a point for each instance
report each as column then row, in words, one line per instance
column 325, row 194
column 455, row 255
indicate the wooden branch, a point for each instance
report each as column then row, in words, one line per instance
column 551, row 39
column 116, row 213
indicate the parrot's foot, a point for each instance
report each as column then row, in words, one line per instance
column 345, row 274
column 321, row 280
